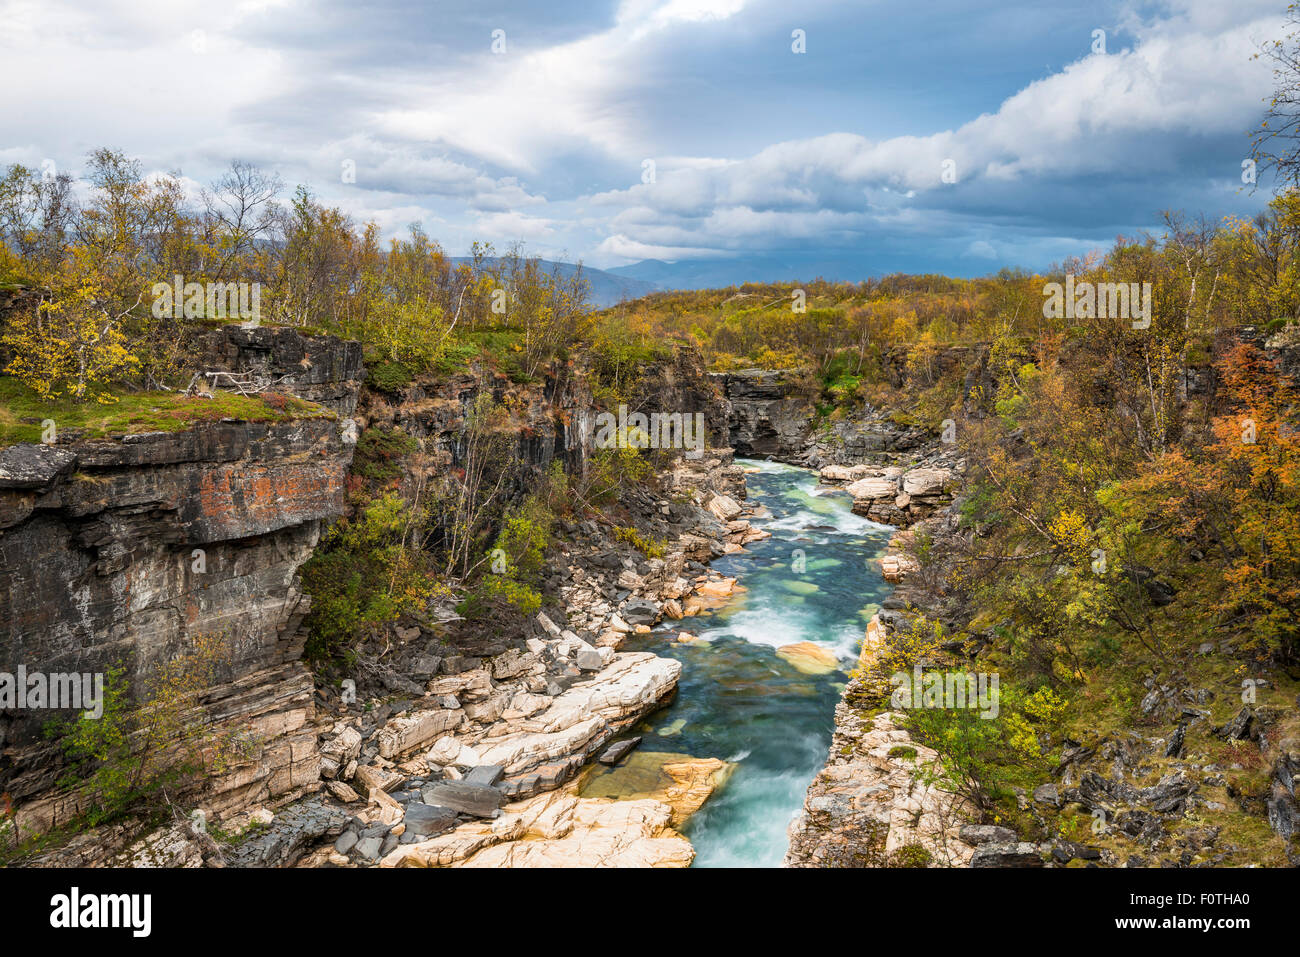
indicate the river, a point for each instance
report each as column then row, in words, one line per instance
column 813, row 581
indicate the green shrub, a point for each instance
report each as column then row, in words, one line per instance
column 379, row 452
column 388, row 376
column 369, row 572
column 520, row 548
column 136, row 750
column 611, row 470
column 495, row 593
column 984, row 759
column 911, row 855
column 646, row 546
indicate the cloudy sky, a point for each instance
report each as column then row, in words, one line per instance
column 543, row 122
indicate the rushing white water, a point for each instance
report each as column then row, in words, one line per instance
column 738, row 699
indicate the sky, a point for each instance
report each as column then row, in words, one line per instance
column 915, row 137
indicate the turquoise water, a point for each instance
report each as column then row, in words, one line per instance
column 737, row 699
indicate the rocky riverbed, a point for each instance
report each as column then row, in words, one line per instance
column 479, row 761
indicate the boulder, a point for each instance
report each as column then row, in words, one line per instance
column 590, row 659
column 869, row 489
column 927, row 481
column 444, row 751
column 640, row 612
column 717, row 588
column 618, row 750
column 979, row 834
column 512, row 664
column 476, row 800
column 1018, row 854
column 341, row 791
column 426, row 820
column 1047, row 794
column 486, row 775
column 371, row 777
column 724, row 508
column 810, row 658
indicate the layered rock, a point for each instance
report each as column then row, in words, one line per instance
column 771, row 413
column 320, row 369
column 868, row 806
column 894, row 495
column 122, row 551
column 557, row 830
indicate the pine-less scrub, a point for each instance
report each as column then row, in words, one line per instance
column 1131, row 551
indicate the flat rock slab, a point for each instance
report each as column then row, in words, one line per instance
column 475, row 799
column 485, row 775
column 618, row 750
column 427, row 820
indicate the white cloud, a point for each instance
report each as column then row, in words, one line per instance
column 1189, row 75
column 485, row 142
column 631, row 249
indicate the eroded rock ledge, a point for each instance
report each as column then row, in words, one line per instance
column 481, row 764
column 868, row 807
column 116, row 551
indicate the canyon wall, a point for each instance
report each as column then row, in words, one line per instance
column 119, row 552
column 122, row 551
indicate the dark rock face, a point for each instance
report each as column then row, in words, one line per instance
column 857, row 440
column 682, row 385
column 770, row 414
column 1282, row 806
column 120, row 551
column 321, row 369
column 552, row 419
column 33, row 466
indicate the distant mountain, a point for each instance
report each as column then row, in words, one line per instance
column 611, row 286
column 606, row 288
column 719, row 273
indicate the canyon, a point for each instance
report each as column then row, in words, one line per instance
column 496, row 749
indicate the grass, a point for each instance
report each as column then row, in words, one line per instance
column 22, row 411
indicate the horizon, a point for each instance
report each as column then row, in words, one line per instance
column 1009, row 149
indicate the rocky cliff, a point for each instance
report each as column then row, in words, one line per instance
column 771, row 413
column 120, row 552
column 124, row 549
column 320, row 369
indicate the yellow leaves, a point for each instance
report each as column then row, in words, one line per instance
column 1022, row 737
column 1070, row 530
column 69, row 347
column 1045, row 706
